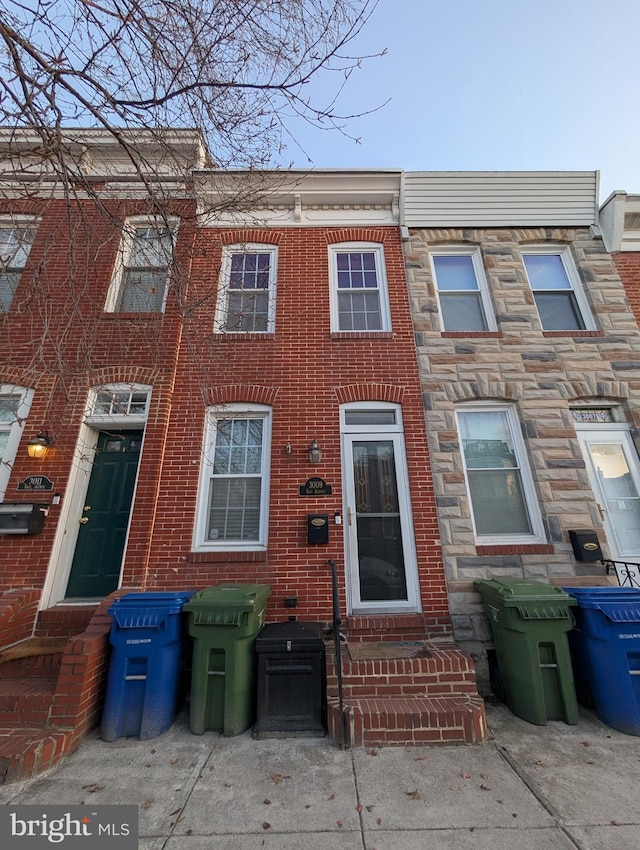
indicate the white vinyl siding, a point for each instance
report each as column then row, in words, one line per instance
column 500, row 198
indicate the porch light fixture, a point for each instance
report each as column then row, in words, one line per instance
column 315, row 452
column 38, row 446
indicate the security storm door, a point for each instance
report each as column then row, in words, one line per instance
column 380, row 550
column 614, row 471
column 95, row 571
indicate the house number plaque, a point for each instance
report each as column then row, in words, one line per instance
column 315, row 487
column 36, row 482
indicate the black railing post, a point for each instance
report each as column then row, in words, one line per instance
column 337, row 620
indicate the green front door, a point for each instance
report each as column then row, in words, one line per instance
column 95, row 570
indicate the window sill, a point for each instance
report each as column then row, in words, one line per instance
column 472, row 334
column 219, row 556
column 572, row 333
column 129, row 316
column 361, row 335
column 516, row 549
column 244, row 335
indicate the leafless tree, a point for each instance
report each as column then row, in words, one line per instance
column 242, row 71
column 229, row 77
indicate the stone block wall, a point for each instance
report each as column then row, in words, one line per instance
column 542, row 375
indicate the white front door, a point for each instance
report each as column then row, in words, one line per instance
column 614, row 472
column 380, row 548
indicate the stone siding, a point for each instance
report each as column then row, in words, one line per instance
column 543, row 375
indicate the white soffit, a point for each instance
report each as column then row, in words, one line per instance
column 320, row 198
column 500, row 198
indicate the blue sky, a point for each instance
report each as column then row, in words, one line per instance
column 494, row 85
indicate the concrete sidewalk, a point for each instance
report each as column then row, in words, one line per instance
column 553, row 787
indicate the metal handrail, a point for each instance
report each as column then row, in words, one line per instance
column 337, row 639
column 627, row 572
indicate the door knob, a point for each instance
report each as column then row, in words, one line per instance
column 83, row 520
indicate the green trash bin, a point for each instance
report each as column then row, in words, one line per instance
column 223, row 622
column 530, row 621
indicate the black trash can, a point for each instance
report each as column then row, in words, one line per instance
column 291, row 690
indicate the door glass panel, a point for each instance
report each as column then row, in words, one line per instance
column 379, row 534
column 620, row 493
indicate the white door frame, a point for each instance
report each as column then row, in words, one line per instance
column 64, row 543
column 615, row 434
column 367, row 432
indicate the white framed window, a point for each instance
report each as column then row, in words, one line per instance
column 359, row 297
column 557, row 289
column 234, row 481
column 499, row 482
column 141, row 276
column 118, row 404
column 14, row 409
column 16, row 238
column 247, row 291
column 463, row 296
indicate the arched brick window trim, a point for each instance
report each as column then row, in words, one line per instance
column 356, row 234
column 369, row 392
column 259, row 237
column 122, row 375
column 240, row 393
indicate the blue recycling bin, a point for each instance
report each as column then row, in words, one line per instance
column 147, row 639
column 605, row 649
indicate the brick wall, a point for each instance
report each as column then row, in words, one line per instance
column 304, row 373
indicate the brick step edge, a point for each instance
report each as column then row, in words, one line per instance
column 375, row 722
column 27, row 752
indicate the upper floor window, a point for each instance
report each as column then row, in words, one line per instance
column 499, row 482
column 557, row 290
column 15, row 243
column 142, row 273
column 462, row 291
column 14, row 408
column 359, row 299
column 246, row 300
column 234, row 483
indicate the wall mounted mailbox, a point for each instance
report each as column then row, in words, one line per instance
column 586, row 546
column 317, row 528
column 22, row 517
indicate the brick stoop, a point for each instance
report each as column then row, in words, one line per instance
column 405, row 692
column 51, row 691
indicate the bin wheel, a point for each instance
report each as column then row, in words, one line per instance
column 495, row 679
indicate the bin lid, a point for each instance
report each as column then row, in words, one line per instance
column 289, row 636
column 154, row 597
column 533, row 599
column 147, row 610
column 621, row 594
column 618, row 604
column 224, row 604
